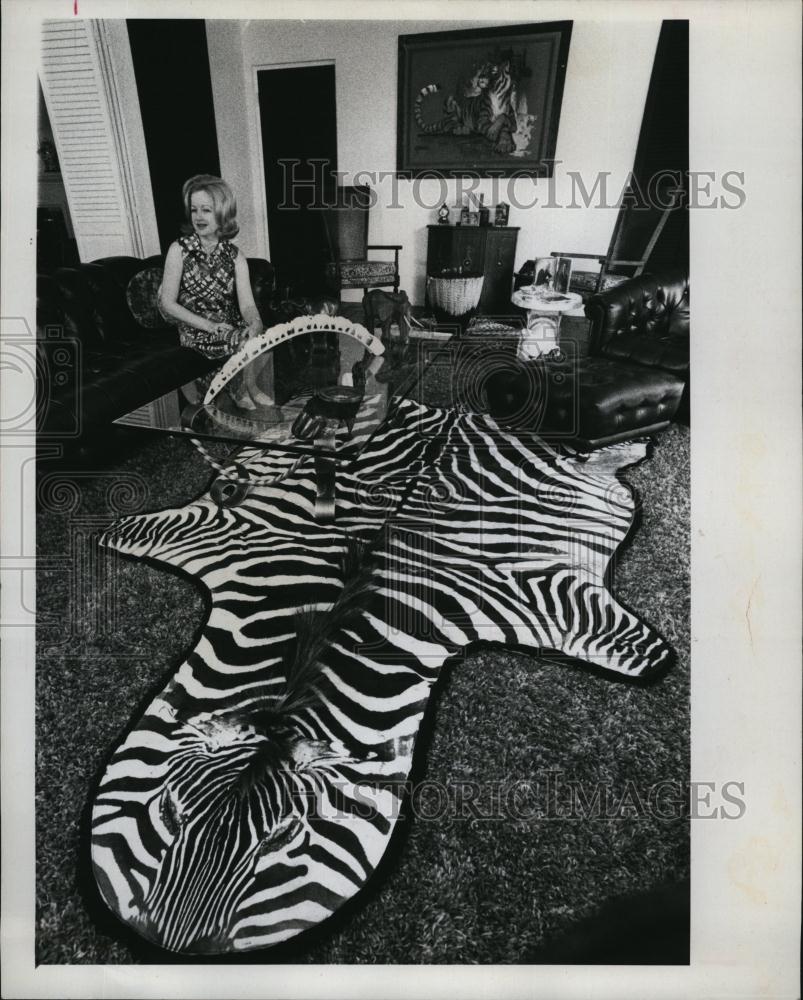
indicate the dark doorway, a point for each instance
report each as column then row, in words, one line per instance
column 178, row 116
column 299, row 150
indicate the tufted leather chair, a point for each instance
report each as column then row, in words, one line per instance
column 634, row 381
column 644, row 321
column 95, row 361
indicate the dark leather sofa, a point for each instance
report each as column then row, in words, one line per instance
column 635, row 378
column 95, row 361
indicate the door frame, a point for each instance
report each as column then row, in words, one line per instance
column 256, row 69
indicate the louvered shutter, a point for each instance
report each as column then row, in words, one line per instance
column 111, row 204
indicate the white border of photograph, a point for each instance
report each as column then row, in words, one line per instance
column 745, row 89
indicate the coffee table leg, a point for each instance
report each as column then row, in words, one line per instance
column 230, row 491
column 325, row 474
column 325, row 488
column 540, row 335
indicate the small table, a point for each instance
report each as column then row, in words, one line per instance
column 275, row 424
column 544, row 311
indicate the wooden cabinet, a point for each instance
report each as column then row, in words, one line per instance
column 486, row 250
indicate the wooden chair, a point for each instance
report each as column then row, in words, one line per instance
column 588, row 283
column 346, row 226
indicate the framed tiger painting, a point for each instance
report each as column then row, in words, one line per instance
column 481, row 102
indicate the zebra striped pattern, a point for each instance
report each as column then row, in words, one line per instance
column 214, row 831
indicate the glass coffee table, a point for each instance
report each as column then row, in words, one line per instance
column 319, row 386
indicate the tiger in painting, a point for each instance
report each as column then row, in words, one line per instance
column 487, row 108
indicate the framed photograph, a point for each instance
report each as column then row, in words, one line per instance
column 552, row 274
column 563, row 274
column 501, row 214
column 544, row 272
column 485, row 101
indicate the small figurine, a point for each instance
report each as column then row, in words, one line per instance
column 483, row 213
column 443, row 215
column 501, row 214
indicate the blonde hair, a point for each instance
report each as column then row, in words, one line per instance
column 222, row 198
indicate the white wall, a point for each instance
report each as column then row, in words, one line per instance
column 237, row 133
column 606, row 85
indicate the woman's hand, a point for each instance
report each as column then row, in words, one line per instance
column 222, row 330
column 244, row 334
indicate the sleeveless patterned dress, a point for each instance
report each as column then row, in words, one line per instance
column 208, row 289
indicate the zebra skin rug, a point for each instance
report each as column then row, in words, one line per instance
column 242, row 809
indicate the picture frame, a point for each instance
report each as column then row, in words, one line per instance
column 481, row 102
column 563, row 274
column 554, row 273
column 501, row 214
column 544, row 271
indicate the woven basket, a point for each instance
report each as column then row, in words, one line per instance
column 455, row 296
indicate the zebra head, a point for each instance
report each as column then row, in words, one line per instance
column 231, row 839
column 209, row 870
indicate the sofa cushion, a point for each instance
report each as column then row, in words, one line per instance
column 596, row 399
column 106, row 287
column 362, row 273
column 664, row 351
column 263, row 285
column 142, row 296
column 592, row 400
column 68, row 287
